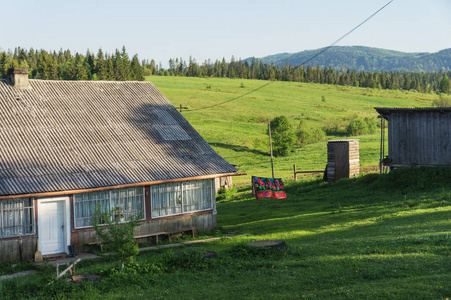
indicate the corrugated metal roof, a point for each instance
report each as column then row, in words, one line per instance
column 390, row 110
column 68, row 135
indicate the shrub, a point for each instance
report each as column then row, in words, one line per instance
column 371, row 124
column 226, row 194
column 282, row 135
column 307, row 135
column 357, row 127
column 442, row 101
column 188, row 259
column 116, row 235
column 335, row 125
column 361, row 126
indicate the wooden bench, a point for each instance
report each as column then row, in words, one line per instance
column 95, row 243
column 156, row 235
column 167, row 233
column 192, row 230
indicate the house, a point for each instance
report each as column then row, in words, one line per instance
column 417, row 136
column 67, row 146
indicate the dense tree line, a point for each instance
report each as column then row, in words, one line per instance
column 63, row 65
column 424, row 82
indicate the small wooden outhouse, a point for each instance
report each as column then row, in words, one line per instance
column 342, row 159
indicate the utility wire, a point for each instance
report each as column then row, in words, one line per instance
column 348, row 33
column 313, row 57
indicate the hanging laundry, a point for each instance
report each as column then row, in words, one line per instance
column 263, row 187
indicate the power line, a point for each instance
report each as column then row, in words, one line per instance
column 348, row 33
column 233, row 99
column 313, row 57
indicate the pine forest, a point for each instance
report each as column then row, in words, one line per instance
column 64, row 65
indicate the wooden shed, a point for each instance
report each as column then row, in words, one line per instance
column 342, row 159
column 417, row 136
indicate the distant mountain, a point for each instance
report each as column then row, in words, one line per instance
column 366, row 59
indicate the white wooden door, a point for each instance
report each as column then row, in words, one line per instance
column 51, row 227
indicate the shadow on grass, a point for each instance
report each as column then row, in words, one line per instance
column 238, row 148
column 350, row 209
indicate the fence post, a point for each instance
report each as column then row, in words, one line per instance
column 295, row 176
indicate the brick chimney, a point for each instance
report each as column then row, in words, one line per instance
column 19, row 78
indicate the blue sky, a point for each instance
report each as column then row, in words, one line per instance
column 215, row 29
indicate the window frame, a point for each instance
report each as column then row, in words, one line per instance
column 111, row 206
column 182, row 184
column 23, row 211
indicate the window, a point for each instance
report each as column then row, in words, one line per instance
column 182, row 197
column 16, row 217
column 130, row 202
column 197, row 195
column 85, row 205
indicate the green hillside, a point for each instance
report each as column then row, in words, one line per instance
column 367, row 59
column 237, row 130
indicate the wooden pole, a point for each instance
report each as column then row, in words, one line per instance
column 270, row 147
column 295, row 176
column 383, row 142
column 380, row 150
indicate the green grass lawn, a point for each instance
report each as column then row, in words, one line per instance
column 237, row 129
column 365, row 238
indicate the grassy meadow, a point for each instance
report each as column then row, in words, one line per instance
column 365, row 238
column 370, row 237
column 237, row 130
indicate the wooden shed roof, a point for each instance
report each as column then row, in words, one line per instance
column 72, row 135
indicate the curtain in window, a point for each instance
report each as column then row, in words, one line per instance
column 197, row 195
column 127, row 202
column 166, row 199
column 16, row 217
column 85, row 204
column 177, row 198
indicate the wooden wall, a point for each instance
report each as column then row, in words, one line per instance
column 220, row 182
column 419, row 138
column 203, row 221
column 9, row 248
column 343, row 159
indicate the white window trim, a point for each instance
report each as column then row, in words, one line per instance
column 111, row 207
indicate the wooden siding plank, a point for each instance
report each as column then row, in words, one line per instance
column 419, row 137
